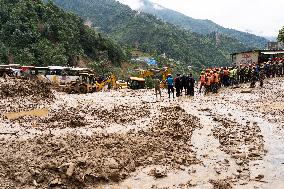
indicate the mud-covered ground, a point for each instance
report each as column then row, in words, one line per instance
column 128, row 139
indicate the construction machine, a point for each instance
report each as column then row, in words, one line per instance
column 136, row 83
column 87, row 83
column 84, row 84
column 121, row 84
column 111, row 80
column 164, row 72
column 6, row 72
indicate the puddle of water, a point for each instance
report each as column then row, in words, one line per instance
column 37, row 112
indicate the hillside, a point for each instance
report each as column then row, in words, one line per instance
column 151, row 34
column 201, row 26
column 34, row 33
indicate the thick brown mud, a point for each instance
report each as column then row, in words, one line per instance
column 129, row 139
column 79, row 161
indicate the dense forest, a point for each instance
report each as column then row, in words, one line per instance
column 201, row 26
column 150, row 34
column 41, row 34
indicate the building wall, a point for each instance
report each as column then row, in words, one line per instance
column 274, row 45
column 246, row 58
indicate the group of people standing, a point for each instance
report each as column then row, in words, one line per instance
column 215, row 78
column 181, row 83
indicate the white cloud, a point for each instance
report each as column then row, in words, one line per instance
column 134, row 4
column 261, row 17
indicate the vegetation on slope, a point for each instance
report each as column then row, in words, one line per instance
column 281, row 35
column 151, row 34
column 201, row 26
column 34, row 33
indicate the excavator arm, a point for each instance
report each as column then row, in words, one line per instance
column 165, row 74
column 146, row 73
column 150, row 73
column 111, row 79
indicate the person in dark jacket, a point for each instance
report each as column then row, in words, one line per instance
column 190, row 85
column 178, row 85
column 184, row 80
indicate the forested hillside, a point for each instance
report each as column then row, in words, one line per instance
column 281, row 35
column 34, row 33
column 151, row 34
column 201, row 26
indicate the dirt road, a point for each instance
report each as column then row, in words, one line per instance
column 128, row 139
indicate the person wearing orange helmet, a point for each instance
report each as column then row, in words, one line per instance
column 215, row 84
column 212, row 80
column 207, row 82
column 202, row 80
column 221, row 76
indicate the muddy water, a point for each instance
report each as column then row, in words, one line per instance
column 272, row 165
column 36, row 112
column 216, row 164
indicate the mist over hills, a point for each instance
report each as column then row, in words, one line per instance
column 201, row 26
column 148, row 33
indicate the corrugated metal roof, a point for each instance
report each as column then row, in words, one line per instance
column 273, row 52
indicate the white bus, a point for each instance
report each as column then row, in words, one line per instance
column 63, row 75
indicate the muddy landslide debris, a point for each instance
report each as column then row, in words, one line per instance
column 122, row 114
column 12, row 87
column 243, row 142
column 75, row 161
column 221, row 184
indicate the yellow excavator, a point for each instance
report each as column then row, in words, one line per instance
column 139, row 82
column 111, row 80
column 152, row 72
column 87, row 83
column 84, row 84
column 136, row 83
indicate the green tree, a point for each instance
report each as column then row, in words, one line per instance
column 281, row 35
column 42, row 34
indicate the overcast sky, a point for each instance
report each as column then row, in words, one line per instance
column 261, row 17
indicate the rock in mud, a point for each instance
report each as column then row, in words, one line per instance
column 158, row 173
column 221, row 184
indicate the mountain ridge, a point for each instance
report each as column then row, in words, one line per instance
column 151, row 34
column 201, row 26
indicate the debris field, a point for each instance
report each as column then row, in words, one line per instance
column 129, row 139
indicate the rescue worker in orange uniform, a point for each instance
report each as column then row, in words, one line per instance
column 207, row 82
column 202, row 80
column 215, row 85
column 212, row 80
